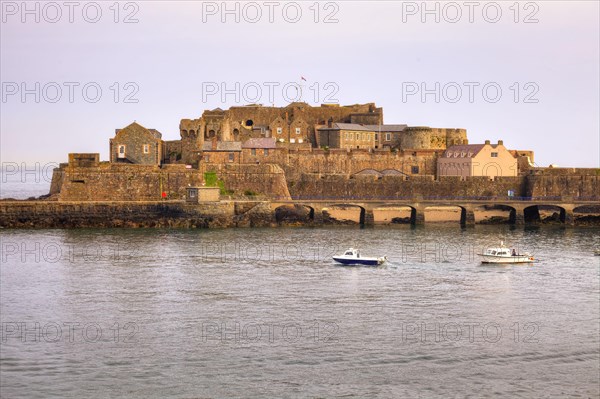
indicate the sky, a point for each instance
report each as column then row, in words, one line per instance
column 524, row 72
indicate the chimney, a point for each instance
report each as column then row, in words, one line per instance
column 487, row 142
column 500, row 142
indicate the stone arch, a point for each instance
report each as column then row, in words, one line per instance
column 368, row 172
column 236, row 134
column 462, row 211
column 587, row 213
column 532, row 213
column 211, row 133
column 496, row 219
column 400, row 210
column 294, row 213
column 362, row 212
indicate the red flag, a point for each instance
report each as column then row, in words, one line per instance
column 302, row 77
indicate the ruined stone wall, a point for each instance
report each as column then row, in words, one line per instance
column 224, row 122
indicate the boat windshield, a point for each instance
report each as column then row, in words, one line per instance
column 348, row 253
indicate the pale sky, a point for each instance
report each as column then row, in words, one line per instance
column 543, row 56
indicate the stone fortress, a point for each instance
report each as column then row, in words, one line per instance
column 292, row 151
column 257, row 166
column 305, row 153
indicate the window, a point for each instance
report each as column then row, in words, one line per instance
column 266, row 152
column 146, row 148
column 494, row 155
column 298, row 130
column 279, row 130
column 414, row 170
column 231, row 157
column 351, row 136
column 253, row 152
column 376, row 136
column 207, row 158
column 388, row 137
column 121, row 151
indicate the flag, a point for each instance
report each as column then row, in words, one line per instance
column 302, row 77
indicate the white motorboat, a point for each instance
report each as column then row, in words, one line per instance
column 503, row 254
column 352, row 257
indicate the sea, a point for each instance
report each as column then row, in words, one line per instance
column 267, row 313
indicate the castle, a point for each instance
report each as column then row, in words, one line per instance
column 256, row 134
column 298, row 151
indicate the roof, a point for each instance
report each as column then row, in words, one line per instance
column 260, row 142
column 137, row 128
column 465, row 149
column 223, row 146
column 366, row 128
column 156, row 133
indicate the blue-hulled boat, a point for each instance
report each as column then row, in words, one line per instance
column 352, row 257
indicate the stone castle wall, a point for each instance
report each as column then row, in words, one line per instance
column 574, row 182
column 372, row 187
column 109, row 182
column 263, row 179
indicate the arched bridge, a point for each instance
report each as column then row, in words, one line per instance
column 518, row 207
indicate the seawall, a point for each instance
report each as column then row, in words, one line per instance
column 106, row 214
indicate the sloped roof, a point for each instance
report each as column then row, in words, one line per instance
column 137, row 128
column 366, row 128
column 386, row 128
column 156, row 133
column 466, row 149
column 223, row 146
column 260, row 142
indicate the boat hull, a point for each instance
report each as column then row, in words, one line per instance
column 506, row 259
column 359, row 261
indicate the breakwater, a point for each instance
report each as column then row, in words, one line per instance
column 270, row 213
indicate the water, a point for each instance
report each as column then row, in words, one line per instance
column 266, row 313
column 24, row 180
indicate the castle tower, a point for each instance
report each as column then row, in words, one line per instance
column 192, row 139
